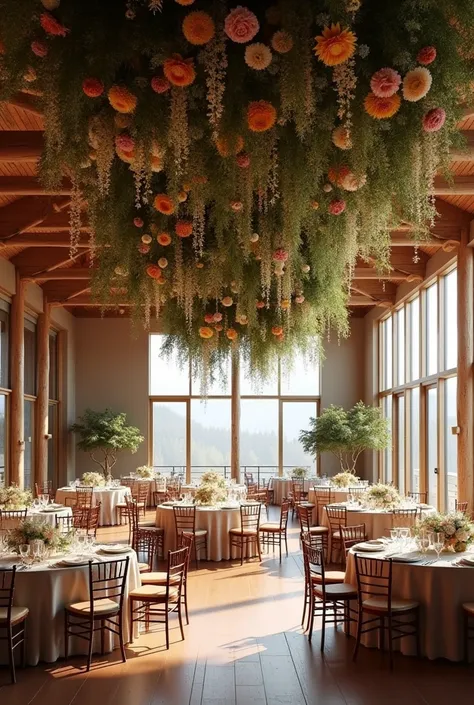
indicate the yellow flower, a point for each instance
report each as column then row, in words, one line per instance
column 282, row 42
column 258, row 56
column 416, row 84
column 381, row 108
column 336, row 45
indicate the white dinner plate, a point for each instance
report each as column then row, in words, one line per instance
column 53, row 508
column 369, row 547
column 112, row 548
column 468, row 560
column 406, row 558
column 424, row 506
column 75, row 560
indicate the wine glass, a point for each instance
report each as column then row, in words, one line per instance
column 25, row 554
column 438, row 542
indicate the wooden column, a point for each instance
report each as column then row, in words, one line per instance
column 17, row 370
column 235, row 419
column 465, row 390
column 41, row 407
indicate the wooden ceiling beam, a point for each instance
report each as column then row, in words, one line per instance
column 465, row 153
column 76, row 273
column 28, row 212
column 370, row 273
column 30, row 186
column 21, row 146
column 459, row 186
column 27, row 102
column 39, row 240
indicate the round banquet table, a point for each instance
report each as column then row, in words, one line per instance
column 336, row 495
column 217, row 522
column 440, row 590
column 283, row 485
column 108, row 498
column 45, row 589
column 40, row 516
column 240, row 491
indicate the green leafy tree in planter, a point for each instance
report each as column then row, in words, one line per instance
column 103, row 434
column 346, row 434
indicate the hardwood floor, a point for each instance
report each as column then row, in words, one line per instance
column 244, row 646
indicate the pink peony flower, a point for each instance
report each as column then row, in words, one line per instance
column 434, row 120
column 217, row 317
column 385, row 83
column 124, row 142
column 138, row 222
column 337, row 207
column 426, row 55
column 160, row 84
column 243, row 160
column 241, row 25
column 280, row 255
column 143, row 249
column 209, row 318
column 39, row 48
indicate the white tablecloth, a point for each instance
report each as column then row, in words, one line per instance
column 282, row 486
column 440, row 589
column 45, row 591
column 108, row 501
column 239, row 492
column 217, row 523
column 40, row 516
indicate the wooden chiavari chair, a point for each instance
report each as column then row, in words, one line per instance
column 44, row 488
column 460, row 506
column 65, row 524
column 305, row 515
column 383, row 611
column 12, row 620
column 327, row 597
column 252, row 490
column 82, row 499
column 323, row 497
column 352, row 535
column 247, row 534
column 159, row 492
column 86, row 519
column 136, row 527
column 11, row 518
column 105, row 606
column 419, row 497
column 155, row 603
column 356, row 491
column 121, row 507
column 160, row 577
column 273, row 533
column 248, row 478
column 299, row 498
column 185, row 523
column 147, row 544
column 337, row 517
column 405, row 518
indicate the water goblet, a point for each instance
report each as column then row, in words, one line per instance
column 438, row 542
column 394, row 534
column 25, row 554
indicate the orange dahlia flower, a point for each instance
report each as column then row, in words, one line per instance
column 126, row 157
column 183, row 228
column 179, row 71
column 154, row 271
column 164, row 204
column 92, row 87
column 52, row 26
column 163, row 239
column 206, row 332
column 156, row 164
column 232, row 334
column 382, row 108
column 261, row 116
column 229, row 145
column 335, row 45
column 198, row 28
column 277, row 330
column 122, row 100
column 282, row 42
column 184, row 2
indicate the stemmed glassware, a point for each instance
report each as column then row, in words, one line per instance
column 437, row 542
column 26, row 555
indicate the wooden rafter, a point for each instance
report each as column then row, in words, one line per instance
column 21, row 146
column 30, row 186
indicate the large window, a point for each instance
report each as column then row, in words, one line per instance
column 191, row 435
column 418, row 358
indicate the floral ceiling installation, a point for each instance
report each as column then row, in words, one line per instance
column 233, row 161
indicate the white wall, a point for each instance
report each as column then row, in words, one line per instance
column 112, row 371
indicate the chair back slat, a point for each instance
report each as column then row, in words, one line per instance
column 374, row 578
column 86, row 518
column 305, row 515
column 420, row 497
column 146, row 544
column 284, row 512
column 177, row 566
column 107, row 580
column 14, row 517
column 84, row 497
column 351, row 535
column 184, row 519
column 250, row 517
column 337, row 517
column 7, row 589
column 323, row 497
column 405, row 517
column 186, row 541
column 45, row 487
column 460, row 506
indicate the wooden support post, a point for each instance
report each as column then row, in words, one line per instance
column 465, row 389
column 42, row 399
column 17, row 372
column 235, row 418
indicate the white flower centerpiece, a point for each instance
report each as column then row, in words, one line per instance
column 298, row 473
column 380, row 496
column 456, row 528
column 92, row 479
column 14, row 497
column 345, row 479
column 29, row 530
column 212, row 489
column 145, row 472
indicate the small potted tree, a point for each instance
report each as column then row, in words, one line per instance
column 103, row 434
column 346, row 434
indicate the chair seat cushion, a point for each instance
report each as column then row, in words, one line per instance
column 103, row 606
column 330, row 576
column 17, row 614
column 336, row 534
column 153, row 592
column 143, row 567
column 246, row 532
column 197, row 532
column 380, row 604
column 120, row 505
column 270, row 526
column 157, row 577
column 318, row 530
column 341, row 590
column 148, row 525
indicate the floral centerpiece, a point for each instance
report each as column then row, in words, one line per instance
column 14, row 497
column 145, row 472
column 212, row 489
column 93, row 479
column 30, row 530
column 345, row 479
column 299, row 473
column 380, row 496
column 457, row 529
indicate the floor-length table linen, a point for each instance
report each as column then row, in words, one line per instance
column 440, row 589
column 46, row 591
column 108, row 498
column 282, row 486
column 217, row 522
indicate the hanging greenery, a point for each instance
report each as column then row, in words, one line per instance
column 236, row 160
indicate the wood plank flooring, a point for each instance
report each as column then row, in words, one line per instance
column 244, row 646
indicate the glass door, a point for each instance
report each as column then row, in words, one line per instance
column 169, row 436
column 432, row 445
